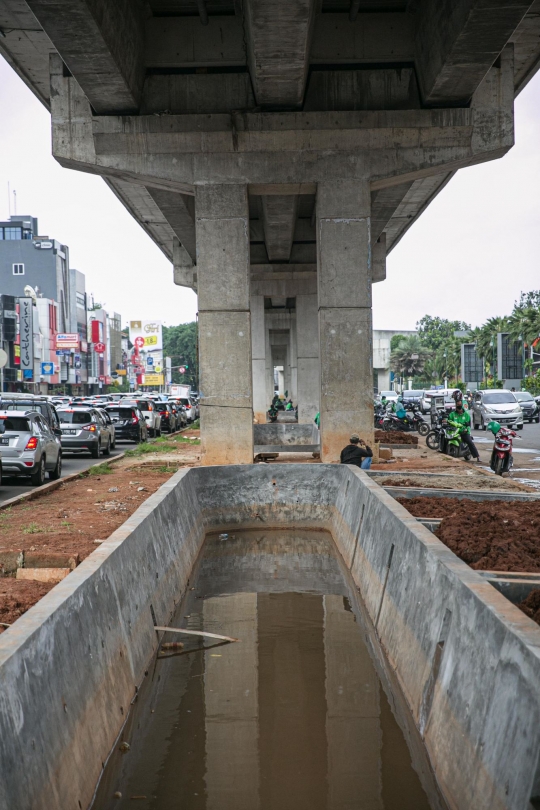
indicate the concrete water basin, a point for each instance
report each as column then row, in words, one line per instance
column 458, row 664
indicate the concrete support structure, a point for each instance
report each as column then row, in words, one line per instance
column 344, row 280
column 308, row 357
column 258, row 358
column 331, row 127
column 224, row 324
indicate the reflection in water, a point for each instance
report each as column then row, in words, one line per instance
column 292, row 717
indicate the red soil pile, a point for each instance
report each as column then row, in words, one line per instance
column 18, row 596
column 531, row 605
column 488, row 535
column 395, row 437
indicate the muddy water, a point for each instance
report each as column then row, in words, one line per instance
column 292, row 717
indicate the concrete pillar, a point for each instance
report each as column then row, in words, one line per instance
column 353, row 728
column 269, row 363
column 258, row 359
column 307, row 347
column 293, row 355
column 222, row 227
column 231, row 702
column 345, row 330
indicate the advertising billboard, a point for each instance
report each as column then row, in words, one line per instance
column 150, row 332
column 26, row 337
column 67, row 341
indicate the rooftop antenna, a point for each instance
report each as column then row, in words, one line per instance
column 14, row 202
column 9, row 199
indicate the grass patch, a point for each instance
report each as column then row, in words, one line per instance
column 33, row 528
column 101, row 469
column 154, row 447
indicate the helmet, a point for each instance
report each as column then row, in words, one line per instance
column 468, row 391
column 494, row 427
column 457, row 395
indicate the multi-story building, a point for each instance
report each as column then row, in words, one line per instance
column 36, row 268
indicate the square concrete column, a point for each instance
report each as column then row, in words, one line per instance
column 345, row 329
column 222, row 230
column 307, row 347
column 258, row 358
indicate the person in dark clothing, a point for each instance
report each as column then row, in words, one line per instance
column 357, row 453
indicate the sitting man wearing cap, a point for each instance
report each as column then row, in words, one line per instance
column 357, row 453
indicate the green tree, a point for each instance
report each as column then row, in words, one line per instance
column 395, row 341
column 409, row 357
column 435, row 332
column 486, row 340
column 180, row 343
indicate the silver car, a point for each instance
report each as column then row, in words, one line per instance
column 85, row 430
column 496, row 404
column 29, row 446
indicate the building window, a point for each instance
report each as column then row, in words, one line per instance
column 81, row 300
column 12, row 233
column 18, row 269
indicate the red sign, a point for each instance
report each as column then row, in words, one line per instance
column 99, row 348
column 182, row 370
column 139, row 342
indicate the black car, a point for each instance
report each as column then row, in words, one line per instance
column 529, row 406
column 128, row 421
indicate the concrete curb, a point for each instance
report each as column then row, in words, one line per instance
column 38, row 492
column 461, row 494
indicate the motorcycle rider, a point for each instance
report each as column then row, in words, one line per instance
column 462, row 418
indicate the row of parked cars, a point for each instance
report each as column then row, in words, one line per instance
column 509, row 408
column 36, row 430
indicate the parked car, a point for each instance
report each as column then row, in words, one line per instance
column 29, row 446
column 85, row 430
column 496, row 404
column 195, row 405
column 190, row 410
column 26, row 402
column 180, row 413
column 129, row 422
column 111, row 426
column 149, row 411
column 413, row 397
column 529, row 406
column 168, row 417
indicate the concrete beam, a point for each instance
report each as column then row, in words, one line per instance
column 176, row 42
column 279, row 220
column 179, row 211
column 278, row 36
column 378, row 259
column 387, row 37
column 457, row 42
column 102, row 45
column 184, row 271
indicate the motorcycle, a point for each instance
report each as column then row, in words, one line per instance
column 450, row 441
column 501, row 456
column 406, row 424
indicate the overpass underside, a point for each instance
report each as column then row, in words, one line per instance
column 276, row 151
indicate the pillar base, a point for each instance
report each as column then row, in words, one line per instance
column 226, row 435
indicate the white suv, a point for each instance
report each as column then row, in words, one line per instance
column 496, row 404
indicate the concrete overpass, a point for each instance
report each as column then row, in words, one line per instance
column 276, row 151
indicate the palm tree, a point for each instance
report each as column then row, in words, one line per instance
column 410, row 357
column 486, row 340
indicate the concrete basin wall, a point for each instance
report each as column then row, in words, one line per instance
column 467, row 661
column 281, row 433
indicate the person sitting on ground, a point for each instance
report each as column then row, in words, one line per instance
column 357, row 453
column 462, row 418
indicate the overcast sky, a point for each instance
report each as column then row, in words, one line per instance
column 468, row 257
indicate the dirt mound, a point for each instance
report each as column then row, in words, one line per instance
column 16, row 597
column 489, row 535
column 531, row 605
column 395, row 437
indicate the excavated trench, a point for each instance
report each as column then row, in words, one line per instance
column 293, row 715
column 373, row 667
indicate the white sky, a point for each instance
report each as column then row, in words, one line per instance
column 468, row 257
